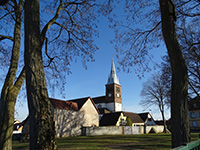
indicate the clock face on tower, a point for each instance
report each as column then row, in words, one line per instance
column 118, row 95
column 109, row 94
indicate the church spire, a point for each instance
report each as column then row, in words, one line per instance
column 112, row 78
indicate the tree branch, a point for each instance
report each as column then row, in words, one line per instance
column 3, row 37
column 20, row 80
column 48, row 25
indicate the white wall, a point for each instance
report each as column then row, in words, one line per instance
column 70, row 122
column 118, row 107
column 91, row 116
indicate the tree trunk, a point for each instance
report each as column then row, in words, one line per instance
column 42, row 128
column 11, row 88
column 164, row 121
column 179, row 95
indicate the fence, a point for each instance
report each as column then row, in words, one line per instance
column 195, row 145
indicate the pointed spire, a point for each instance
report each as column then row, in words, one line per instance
column 112, row 78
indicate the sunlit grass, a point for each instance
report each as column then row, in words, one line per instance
column 119, row 142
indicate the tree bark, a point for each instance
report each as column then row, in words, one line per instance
column 179, row 95
column 11, row 87
column 42, row 128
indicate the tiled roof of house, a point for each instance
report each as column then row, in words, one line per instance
column 80, row 102
column 135, row 118
column 109, row 119
column 60, row 104
column 74, row 104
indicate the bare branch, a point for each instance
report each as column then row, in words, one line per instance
column 48, row 25
column 3, row 37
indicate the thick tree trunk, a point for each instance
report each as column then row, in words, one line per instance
column 42, row 128
column 179, row 95
column 11, row 88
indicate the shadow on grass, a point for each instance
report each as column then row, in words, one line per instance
column 118, row 142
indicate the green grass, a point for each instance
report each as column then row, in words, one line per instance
column 126, row 142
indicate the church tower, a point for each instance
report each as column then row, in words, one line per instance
column 113, row 91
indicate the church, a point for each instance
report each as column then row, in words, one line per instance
column 71, row 116
column 112, row 100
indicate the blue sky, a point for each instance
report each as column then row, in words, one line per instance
column 91, row 82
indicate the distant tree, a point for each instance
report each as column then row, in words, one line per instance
column 155, row 92
column 128, row 121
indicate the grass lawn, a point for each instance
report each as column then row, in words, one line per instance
column 119, row 142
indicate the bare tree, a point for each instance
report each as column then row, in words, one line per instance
column 155, row 92
column 70, row 36
column 179, row 95
column 142, row 31
column 11, row 85
column 75, row 15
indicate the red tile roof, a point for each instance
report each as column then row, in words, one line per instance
column 74, row 104
column 60, row 104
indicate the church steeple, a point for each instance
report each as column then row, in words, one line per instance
column 113, row 91
column 112, row 78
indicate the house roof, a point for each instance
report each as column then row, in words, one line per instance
column 74, row 104
column 100, row 99
column 80, row 102
column 144, row 116
column 135, row 118
column 60, row 104
column 109, row 119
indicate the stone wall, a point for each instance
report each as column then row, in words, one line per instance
column 110, row 130
column 121, row 130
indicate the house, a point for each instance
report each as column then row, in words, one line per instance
column 143, row 122
column 120, row 119
column 135, row 118
column 147, row 119
column 17, row 129
column 113, row 119
column 194, row 114
column 71, row 115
